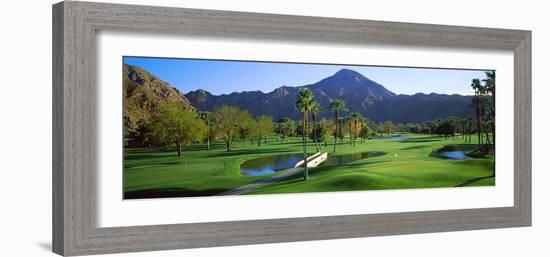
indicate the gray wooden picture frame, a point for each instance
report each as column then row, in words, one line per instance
column 75, row 25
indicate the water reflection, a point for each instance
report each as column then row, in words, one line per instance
column 271, row 164
column 454, row 152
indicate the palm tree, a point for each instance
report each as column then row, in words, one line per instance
column 356, row 118
column 464, row 129
column 363, row 123
column 315, row 109
column 336, row 106
column 350, row 131
column 490, row 84
column 485, row 117
column 476, row 101
column 304, row 103
column 206, row 117
column 490, row 87
column 470, row 123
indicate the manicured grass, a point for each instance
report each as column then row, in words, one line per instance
column 406, row 164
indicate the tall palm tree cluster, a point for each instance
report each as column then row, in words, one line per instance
column 306, row 104
column 337, row 106
column 484, row 105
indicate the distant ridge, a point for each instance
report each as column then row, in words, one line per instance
column 360, row 94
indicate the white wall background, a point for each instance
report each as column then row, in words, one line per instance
column 25, row 127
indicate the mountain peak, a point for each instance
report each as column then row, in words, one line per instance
column 349, row 74
column 200, row 92
column 350, row 84
column 345, row 71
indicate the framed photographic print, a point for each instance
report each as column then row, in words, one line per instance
column 182, row 128
column 238, row 129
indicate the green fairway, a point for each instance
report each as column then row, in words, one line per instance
column 406, row 164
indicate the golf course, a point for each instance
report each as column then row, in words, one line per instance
column 344, row 132
column 406, row 163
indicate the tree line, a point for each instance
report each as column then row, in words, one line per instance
column 481, row 124
column 175, row 124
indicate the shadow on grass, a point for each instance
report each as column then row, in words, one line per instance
column 283, row 142
column 414, row 147
column 170, row 163
column 202, row 147
column 171, row 193
column 146, row 156
column 420, row 140
column 471, row 181
column 148, row 150
column 355, row 165
column 247, row 151
column 319, row 171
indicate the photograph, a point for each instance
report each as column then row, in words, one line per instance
column 146, row 128
column 202, row 127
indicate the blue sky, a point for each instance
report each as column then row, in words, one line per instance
column 224, row 77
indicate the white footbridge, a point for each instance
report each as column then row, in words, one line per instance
column 313, row 161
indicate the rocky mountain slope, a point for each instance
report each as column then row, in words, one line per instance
column 143, row 94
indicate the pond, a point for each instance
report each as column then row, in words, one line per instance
column 392, row 138
column 339, row 160
column 271, row 164
column 453, row 152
